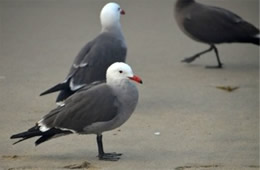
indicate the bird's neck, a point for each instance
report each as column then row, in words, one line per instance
column 120, row 85
column 113, row 28
column 117, row 83
column 116, row 32
column 126, row 91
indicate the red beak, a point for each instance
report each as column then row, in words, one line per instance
column 137, row 79
column 122, row 12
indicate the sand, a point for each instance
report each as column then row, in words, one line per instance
column 200, row 126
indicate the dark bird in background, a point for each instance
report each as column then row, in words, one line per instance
column 91, row 110
column 96, row 56
column 213, row 25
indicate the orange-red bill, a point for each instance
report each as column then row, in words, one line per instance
column 122, row 12
column 137, row 79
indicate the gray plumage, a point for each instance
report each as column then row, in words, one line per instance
column 213, row 25
column 94, row 110
column 91, row 110
column 97, row 55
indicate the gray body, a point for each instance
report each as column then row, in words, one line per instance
column 91, row 110
column 95, row 110
column 213, row 25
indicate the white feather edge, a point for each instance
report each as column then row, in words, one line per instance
column 74, row 87
column 257, row 36
column 80, row 65
column 76, row 66
column 44, row 128
column 61, row 103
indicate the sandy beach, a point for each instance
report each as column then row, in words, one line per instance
column 200, row 125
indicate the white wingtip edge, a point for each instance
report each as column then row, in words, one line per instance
column 43, row 127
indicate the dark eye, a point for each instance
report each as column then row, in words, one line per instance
column 120, row 71
column 118, row 9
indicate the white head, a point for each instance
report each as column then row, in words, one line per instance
column 110, row 16
column 120, row 71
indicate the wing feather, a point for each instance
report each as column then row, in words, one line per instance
column 95, row 104
column 216, row 25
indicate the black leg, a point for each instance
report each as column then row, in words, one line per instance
column 192, row 58
column 218, row 59
column 212, row 47
column 100, row 145
column 106, row 156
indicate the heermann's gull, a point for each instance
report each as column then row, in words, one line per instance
column 91, row 110
column 213, row 25
column 96, row 56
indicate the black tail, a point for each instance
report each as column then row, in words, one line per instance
column 64, row 94
column 58, row 87
column 35, row 131
column 64, row 89
column 256, row 40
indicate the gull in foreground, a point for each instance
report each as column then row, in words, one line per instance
column 91, row 110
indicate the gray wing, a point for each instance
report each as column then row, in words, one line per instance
column 79, row 58
column 217, row 25
column 94, row 59
column 95, row 104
